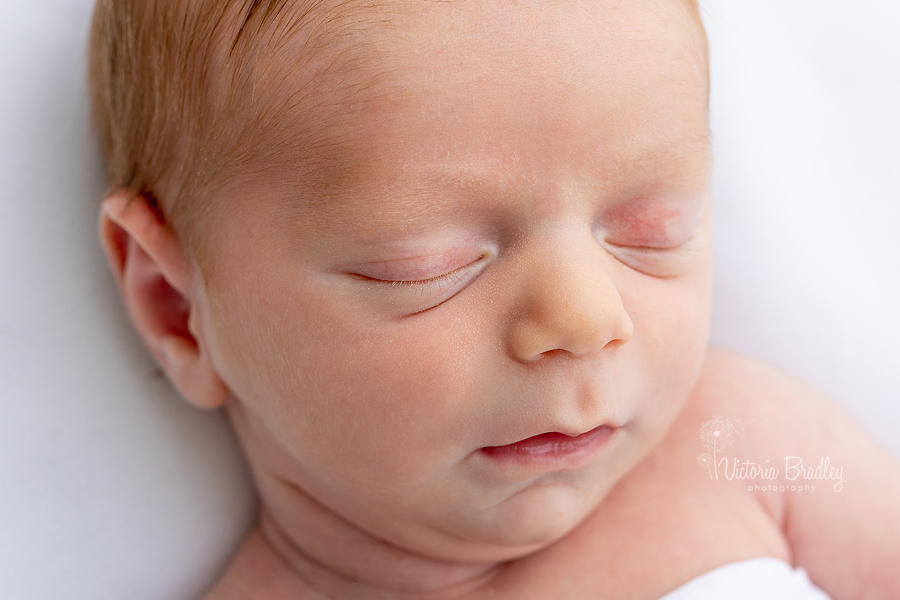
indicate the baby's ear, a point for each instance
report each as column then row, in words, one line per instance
column 157, row 284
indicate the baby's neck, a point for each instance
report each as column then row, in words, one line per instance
column 339, row 560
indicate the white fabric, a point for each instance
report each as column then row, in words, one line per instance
column 754, row 579
column 110, row 487
column 807, row 191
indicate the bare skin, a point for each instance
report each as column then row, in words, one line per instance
column 668, row 522
column 521, row 247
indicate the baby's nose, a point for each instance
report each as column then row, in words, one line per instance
column 567, row 302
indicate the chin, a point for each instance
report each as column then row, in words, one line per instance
column 536, row 517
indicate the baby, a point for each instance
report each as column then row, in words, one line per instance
column 446, row 266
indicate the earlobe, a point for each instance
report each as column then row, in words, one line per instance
column 158, row 286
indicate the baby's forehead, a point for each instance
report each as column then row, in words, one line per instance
column 351, row 45
column 328, row 82
column 390, row 105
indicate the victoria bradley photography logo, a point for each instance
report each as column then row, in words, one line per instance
column 718, row 434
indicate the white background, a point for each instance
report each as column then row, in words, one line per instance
column 111, row 488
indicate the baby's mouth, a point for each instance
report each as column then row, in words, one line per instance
column 552, row 449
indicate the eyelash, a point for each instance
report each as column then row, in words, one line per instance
column 656, row 262
column 648, row 250
column 452, row 277
column 428, row 285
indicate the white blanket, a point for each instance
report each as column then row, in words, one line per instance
column 754, row 579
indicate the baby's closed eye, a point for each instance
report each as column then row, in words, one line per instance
column 414, row 285
column 656, row 237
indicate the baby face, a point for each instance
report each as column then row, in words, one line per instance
column 520, row 247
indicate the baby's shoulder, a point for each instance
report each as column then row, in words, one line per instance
column 835, row 488
column 744, row 412
column 746, row 387
column 770, row 411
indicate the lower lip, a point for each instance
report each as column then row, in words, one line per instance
column 552, row 449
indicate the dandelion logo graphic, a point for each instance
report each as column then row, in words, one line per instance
column 716, row 435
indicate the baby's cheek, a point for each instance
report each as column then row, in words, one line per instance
column 361, row 397
column 671, row 326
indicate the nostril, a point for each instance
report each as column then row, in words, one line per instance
column 557, row 353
